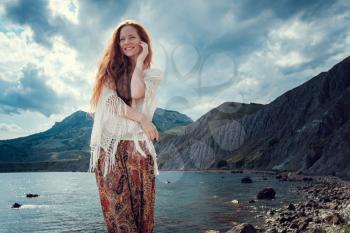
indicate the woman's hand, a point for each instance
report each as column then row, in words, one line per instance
column 142, row 56
column 149, row 128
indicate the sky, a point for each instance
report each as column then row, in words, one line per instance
column 210, row 51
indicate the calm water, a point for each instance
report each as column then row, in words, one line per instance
column 192, row 202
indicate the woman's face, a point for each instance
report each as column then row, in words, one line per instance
column 130, row 41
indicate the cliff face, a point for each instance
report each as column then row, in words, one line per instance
column 306, row 129
column 207, row 140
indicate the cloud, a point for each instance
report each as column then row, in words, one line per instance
column 35, row 14
column 296, row 50
column 26, row 123
column 269, row 47
column 30, row 92
column 9, row 128
column 69, row 9
column 64, row 73
column 8, row 131
column 86, row 31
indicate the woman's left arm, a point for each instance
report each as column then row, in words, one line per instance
column 137, row 83
column 138, row 86
column 152, row 79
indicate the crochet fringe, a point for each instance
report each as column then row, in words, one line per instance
column 110, row 124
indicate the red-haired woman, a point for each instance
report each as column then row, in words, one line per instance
column 122, row 153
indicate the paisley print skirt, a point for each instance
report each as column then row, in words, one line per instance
column 127, row 194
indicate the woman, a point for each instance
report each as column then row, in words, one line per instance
column 122, row 154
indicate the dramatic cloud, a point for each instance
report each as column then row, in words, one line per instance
column 30, row 92
column 211, row 52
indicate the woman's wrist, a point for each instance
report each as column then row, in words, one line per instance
column 141, row 118
column 139, row 65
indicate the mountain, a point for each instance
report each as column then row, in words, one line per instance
column 200, row 144
column 168, row 119
column 65, row 146
column 306, row 129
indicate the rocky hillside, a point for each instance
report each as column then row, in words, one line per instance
column 204, row 142
column 306, row 129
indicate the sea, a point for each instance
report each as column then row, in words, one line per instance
column 186, row 201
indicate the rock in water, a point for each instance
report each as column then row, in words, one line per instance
column 266, row 193
column 30, row 195
column 246, row 180
column 16, row 205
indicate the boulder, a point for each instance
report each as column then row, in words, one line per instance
column 242, row 228
column 246, row 180
column 266, row 193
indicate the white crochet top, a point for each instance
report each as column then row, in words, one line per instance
column 110, row 124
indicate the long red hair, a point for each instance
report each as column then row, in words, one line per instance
column 114, row 63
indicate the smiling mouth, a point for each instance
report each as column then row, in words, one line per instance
column 128, row 49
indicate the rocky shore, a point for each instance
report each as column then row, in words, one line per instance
column 325, row 208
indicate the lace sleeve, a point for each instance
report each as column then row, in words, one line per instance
column 152, row 79
column 110, row 125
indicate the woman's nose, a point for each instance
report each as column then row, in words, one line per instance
column 127, row 41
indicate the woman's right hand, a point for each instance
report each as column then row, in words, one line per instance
column 149, row 128
column 143, row 54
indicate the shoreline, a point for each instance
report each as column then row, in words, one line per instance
column 290, row 175
column 323, row 208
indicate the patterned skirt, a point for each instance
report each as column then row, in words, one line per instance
column 127, row 194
